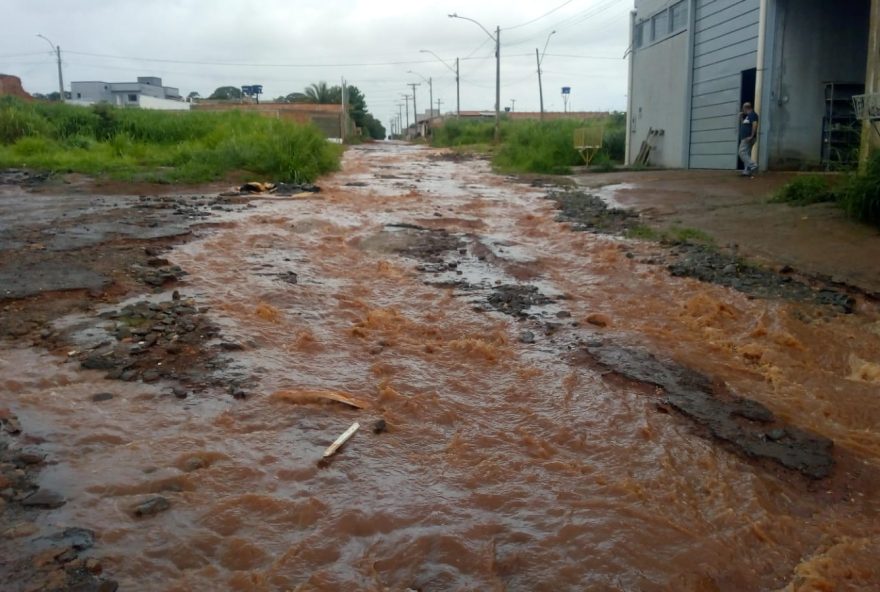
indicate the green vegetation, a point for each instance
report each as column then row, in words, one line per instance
column 858, row 193
column 536, row 146
column 323, row 94
column 804, row 190
column 160, row 146
column 672, row 235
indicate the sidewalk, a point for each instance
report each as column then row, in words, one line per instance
column 816, row 240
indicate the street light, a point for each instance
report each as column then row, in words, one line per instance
column 430, row 82
column 57, row 50
column 497, row 39
column 540, row 58
column 457, row 79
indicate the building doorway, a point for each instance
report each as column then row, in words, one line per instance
column 749, row 79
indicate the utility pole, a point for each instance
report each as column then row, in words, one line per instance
column 512, row 105
column 540, row 85
column 344, row 115
column 406, row 98
column 415, row 111
column 439, row 102
column 455, row 71
column 540, row 58
column 399, row 118
column 497, row 39
column 57, row 50
column 497, row 84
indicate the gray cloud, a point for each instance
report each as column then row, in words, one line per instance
column 332, row 34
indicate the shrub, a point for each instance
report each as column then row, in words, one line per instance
column 804, row 190
column 860, row 195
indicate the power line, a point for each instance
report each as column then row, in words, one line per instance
column 535, row 20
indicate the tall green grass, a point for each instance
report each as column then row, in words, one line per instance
column 160, row 146
column 535, row 146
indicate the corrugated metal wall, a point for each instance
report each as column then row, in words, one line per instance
column 725, row 44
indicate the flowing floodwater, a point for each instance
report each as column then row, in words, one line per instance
column 505, row 465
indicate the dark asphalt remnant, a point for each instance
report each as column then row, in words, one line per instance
column 708, row 264
column 747, row 426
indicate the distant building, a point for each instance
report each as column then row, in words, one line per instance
column 146, row 93
column 694, row 62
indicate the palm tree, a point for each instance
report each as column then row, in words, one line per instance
column 321, row 93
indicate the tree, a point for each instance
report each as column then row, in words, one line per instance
column 194, row 95
column 322, row 94
column 226, row 93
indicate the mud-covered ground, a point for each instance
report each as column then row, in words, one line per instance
column 89, row 278
column 84, row 276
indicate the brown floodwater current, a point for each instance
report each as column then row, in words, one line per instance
column 505, row 465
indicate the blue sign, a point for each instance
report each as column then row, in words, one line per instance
column 566, row 90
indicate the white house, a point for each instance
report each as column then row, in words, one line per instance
column 146, row 93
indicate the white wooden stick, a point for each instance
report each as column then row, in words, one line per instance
column 331, row 450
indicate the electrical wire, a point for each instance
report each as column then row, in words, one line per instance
column 535, row 20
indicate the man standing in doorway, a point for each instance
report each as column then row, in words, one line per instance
column 748, row 135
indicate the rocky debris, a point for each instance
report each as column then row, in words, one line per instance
column 288, row 277
column 516, row 299
column 158, row 276
column 527, row 337
column 154, row 341
column 416, row 242
column 711, row 265
column 44, row 498
column 286, row 189
column 151, row 507
column 380, row 427
column 101, row 397
column 590, row 213
column 747, row 426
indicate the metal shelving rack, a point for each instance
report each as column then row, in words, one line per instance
column 841, row 129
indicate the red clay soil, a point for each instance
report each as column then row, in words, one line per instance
column 11, row 85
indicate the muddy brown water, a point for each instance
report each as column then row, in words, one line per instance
column 505, row 465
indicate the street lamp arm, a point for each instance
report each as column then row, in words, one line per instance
column 419, row 75
column 439, row 59
column 552, row 33
column 491, row 36
column 47, row 40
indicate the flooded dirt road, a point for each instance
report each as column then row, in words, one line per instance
column 516, row 452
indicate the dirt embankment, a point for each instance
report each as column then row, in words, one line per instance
column 11, row 86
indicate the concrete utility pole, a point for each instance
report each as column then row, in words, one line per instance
column 57, row 50
column 512, row 105
column 455, row 71
column 399, row 117
column 344, row 114
column 540, row 58
column 497, row 39
column 406, row 98
column 430, row 82
column 439, row 102
column 415, row 111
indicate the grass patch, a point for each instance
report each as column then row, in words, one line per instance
column 675, row 235
column 160, row 146
column 545, row 147
column 805, row 190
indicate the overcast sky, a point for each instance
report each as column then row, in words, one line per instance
column 198, row 45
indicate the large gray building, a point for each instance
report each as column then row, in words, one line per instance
column 125, row 94
column 694, row 62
